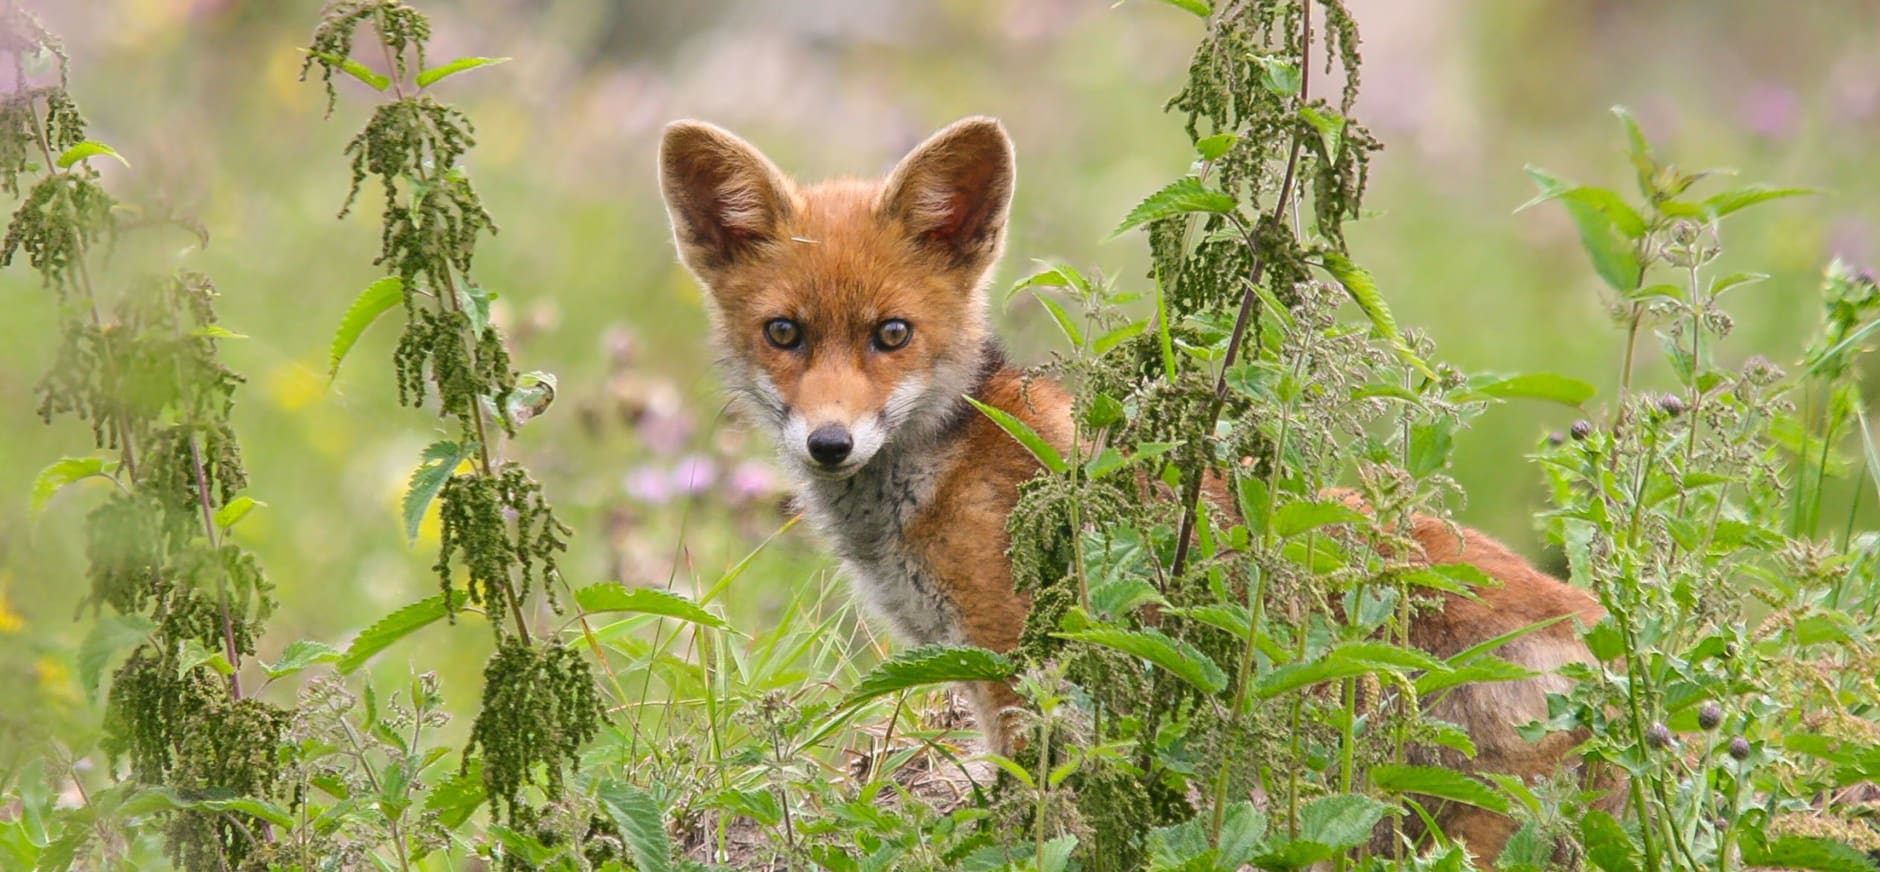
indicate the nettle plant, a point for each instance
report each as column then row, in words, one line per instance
column 1737, row 696
column 500, row 536
column 177, row 603
column 1194, row 657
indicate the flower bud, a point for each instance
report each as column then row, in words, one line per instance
column 1659, row 736
column 1556, row 438
column 1581, row 429
column 1709, row 716
column 1739, row 748
column 1671, row 404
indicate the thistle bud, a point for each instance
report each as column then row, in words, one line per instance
column 1671, row 404
column 1739, row 748
column 1709, row 716
column 1659, row 736
column 1581, row 429
column 1556, row 438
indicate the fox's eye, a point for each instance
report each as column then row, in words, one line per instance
column 893, row 333
column 783, row 333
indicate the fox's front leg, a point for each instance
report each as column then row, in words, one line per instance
column 964, row 540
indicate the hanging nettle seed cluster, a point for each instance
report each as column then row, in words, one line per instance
column 500, row 536
column 168, row 584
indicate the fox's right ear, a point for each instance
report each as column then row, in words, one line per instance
column 725, row 198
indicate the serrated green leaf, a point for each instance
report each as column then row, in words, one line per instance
column 1295, row 518
column 88, row 149
column 1611, row 250
column 458, row 797
column 1362, row 289
column 1737, row 200
column 436, row 465
column 394, row 627
column 1540, row 386
column 930, row 664
column 217, row 331
column 1607, row 846
column 612, row 597
column 1348, row 660
column 377, row 299
column 642, row 824
column 1116, row 337
column 429, row 77
column 109, row 636
column 1026, row 436
column 1340, row 822
column 1279, row 76
column 195, row 654
column 1212, row 147
column 352, row 68
column 62, row 472
column 1065, row 322
column 1440, row 783
column 234, row 510
column 1331, row 128
column 1180, row 197
column 1175, row 655
column 299, row 655
column 1110, row 459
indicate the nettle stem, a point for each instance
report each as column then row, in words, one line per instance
column 1191, row 495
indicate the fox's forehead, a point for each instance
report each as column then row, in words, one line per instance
column 838, row 259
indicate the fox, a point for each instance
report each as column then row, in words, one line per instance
column 851, row 320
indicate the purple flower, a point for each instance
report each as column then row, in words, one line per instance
column 694, row 474
column 650, row 485
column 752, row 480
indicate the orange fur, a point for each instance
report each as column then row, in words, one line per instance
column 920, row 517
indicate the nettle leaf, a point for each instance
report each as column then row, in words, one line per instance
column 63, row 472
column 1331, row 128
column 612, row 597
column 426, row 78
column 458, row 797
column 1212, row 147
column 1814, row 853
column 234, row 510
column 300, row 655
column 437, row 464
column 253, row 807
column 1345, row 661
column 394, row 627
column 88, row 149
column 112, row 635
column 1737, row 200
column 1608, row 848
column 1278, row 76
column 642, row 824
column 1065, row 322
column 1363, row 290
column 1174, row 655
column 194, row 654
column 1180, row 197
column 1540, row 386
column 1603, row 228
column 1054, row 275
column 534, row 393
column 1026, row 436
column 377, row 299
column 1440, row 783
column 1340, row 822
column 930, row 664
column 352, row 68
column 1295, row 518
column 1110, row 459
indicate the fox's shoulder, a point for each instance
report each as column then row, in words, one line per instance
column 1041, row 403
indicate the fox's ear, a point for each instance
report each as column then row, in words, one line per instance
column 725, row 198
column 951, row 194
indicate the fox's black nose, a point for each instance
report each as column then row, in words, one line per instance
column 830, row 444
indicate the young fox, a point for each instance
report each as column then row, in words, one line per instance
column 852, row 316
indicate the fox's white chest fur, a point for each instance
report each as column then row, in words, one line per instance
column 864, row 517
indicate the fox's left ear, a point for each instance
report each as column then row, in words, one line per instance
column 951, row 194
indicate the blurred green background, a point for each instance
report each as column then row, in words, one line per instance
column 201, row 96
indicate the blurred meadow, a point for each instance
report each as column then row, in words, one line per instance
column 203, row 98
